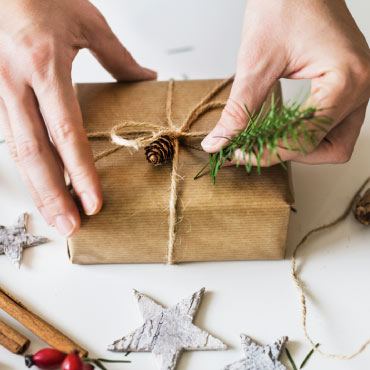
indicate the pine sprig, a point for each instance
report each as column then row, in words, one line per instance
column 284, row 127
column 304, row 362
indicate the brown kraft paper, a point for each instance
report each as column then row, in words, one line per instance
column 242, row 217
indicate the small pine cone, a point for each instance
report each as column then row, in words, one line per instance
column 160, row 150
column 362, row 209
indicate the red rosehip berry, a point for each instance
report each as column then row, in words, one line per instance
column 88, row 366
column 46, row 358
column 72, row 362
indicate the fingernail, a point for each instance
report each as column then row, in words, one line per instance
column 209, row 142
column 151, row 73
column 64, row 225
column 89, row 203
column 212, row 139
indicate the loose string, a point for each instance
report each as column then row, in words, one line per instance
column 299, row 283
column 137, row 134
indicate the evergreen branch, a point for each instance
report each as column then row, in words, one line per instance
column 289, row 127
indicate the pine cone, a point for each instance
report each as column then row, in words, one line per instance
column 160, row 150
column 362, row 209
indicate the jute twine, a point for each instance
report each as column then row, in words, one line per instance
column 300, row 285
column 136, row 134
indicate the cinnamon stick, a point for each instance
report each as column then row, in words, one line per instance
column 12, row 340
column 50, row 335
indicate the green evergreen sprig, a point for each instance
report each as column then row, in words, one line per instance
column 283, row 126
column 305, row 360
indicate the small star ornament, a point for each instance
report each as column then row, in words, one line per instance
column 14, row 239
column 167, row 332
column 257, row 357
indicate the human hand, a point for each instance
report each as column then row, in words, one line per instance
column 39, row 112
column 306, row 39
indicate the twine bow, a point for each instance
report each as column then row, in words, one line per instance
column 135, row 135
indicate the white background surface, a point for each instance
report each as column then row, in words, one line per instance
column 94, row 305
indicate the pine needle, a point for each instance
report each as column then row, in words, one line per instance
column 304, row 362
column 280, row 127
column 290, row 358
column 113, row 361
column 98, row 364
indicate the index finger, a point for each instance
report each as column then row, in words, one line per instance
column 63, row 118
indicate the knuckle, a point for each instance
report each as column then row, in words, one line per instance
column 235, row 112
column 98, row 19
column 13, row 150
column 360, row 66
column 79, row 175
column 96, row 26
column 4, row 72
column 355, row 74
column 341, row 155
column 63, row 132
column 343, row 82
column 40, row 52
column 7, row 83
column 50, row 198
column 28, row 150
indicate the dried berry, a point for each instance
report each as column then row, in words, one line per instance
column 87, row 366
column 46, row 358
column 72, row 362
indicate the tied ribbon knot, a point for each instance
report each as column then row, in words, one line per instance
column 136, row 134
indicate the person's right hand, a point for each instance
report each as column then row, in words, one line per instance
column 39, row 112
column 300, row 39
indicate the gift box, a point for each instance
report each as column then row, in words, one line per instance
column 144, row 219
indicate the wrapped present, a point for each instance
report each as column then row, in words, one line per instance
column 159, row 213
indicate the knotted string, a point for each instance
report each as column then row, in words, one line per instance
column 136, row 134
column 300, row 285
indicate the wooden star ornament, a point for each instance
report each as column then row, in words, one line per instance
column 13, row 239
column 257, row 357
column 167, row 332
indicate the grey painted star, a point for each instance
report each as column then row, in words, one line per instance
column 14, row 239
column 259, row 357
column 167, row 332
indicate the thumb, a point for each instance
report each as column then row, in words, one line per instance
column 248, row 92
column 336, row 93
column 113, row 56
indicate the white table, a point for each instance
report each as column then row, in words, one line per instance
column 94, row 303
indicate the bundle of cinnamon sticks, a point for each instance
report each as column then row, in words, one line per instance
column 18, row 343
